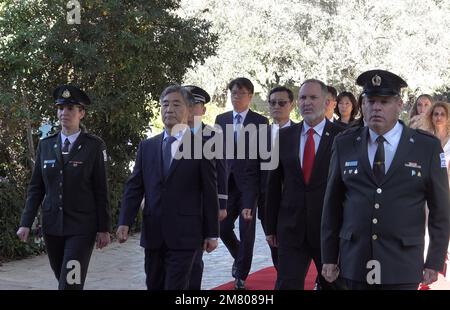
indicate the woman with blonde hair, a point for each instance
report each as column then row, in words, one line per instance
column 419, row 110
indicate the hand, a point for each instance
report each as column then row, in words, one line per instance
column 222, row 214
column 429, row 276
column 272, row 240
column 103, row 239
column 23, row 233
column 122, row 233
column 330, row 272
column 247, row 214
column 210, row 245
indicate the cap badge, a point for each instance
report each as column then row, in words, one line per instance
column 66, row 94
column 376, row 80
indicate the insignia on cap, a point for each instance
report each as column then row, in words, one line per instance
column 376, row 80
column 66, row 94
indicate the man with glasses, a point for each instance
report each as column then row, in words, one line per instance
column 296, row 188
column 281, row 103
column 241, row 249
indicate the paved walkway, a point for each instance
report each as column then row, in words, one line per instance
column 121, row 267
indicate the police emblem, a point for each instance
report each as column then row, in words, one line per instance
column 66, row 94
column 376, row 80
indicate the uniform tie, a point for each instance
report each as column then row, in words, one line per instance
column 378, row 161
column 308, row 155
column 167, row 154
column 65, row 149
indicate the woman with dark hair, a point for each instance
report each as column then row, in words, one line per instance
column 346, row 108
column 418, row 111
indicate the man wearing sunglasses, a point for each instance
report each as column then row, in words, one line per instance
column 281, row 103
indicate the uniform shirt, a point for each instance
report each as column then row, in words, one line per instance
column 318, row 130
column 71, row 138
column 390, row 145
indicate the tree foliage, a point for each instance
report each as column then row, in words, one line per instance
column 123, row 53
column 287, row 41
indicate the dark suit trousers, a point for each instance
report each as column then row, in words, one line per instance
column 195, row 282
column 355, row 285
column 65, row 253
column 167, row 269
column 242, row 249
column 293, row 265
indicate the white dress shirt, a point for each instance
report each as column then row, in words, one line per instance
column 71, row 138
column 392, row 138
column 318, row 131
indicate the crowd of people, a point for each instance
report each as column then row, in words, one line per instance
column 351, row 187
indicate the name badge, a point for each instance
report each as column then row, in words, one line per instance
column 353, row 163
column 49, row 162
column 75, row 163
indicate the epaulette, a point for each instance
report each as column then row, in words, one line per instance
column 350, row 130
column 425, row 133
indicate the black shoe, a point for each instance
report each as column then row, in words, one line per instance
column 239, row 284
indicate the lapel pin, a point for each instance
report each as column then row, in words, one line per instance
column 45, row 166
column 411, row 140
column 358, row 139
column 356, row 171
column 419, row 174
column 55, row 146
column 345, row 171
column 79, row 147
column 327, row 133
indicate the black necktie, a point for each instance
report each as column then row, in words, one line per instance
column 167, row 154
column 378, row 161
column 238, row 122
column 65, row 149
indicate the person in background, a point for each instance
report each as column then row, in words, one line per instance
column 69, row 183
column 419, row 110
column 203, row 131
column 347, row 109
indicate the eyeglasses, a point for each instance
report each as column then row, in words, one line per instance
column 238, row 94
column 281, row 103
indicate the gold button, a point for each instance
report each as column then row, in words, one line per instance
column 60, row 208
column 60, row 184
column 374, row 221
column 60, row 196
column 379, row 191
column 377, row 206
column 60, row 171
column 374, row 237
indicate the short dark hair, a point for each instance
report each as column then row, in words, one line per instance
column 355, row 105
column 332, row 91
column 242, row 82
column 282, row 89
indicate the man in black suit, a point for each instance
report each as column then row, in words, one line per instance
column 281, row 103
column 296, row 188
column 69, row 182
column 242, row 124
column 380, row 178
column 180, row 214
column 203, row 131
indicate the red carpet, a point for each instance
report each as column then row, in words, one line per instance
column 264, row 279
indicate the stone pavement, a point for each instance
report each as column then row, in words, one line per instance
column 121, row 267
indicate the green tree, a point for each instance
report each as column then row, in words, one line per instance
column 123, row 53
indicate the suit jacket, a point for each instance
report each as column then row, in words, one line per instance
column 74, row 194
column 236, row 167
column 181, row 210
column 256, row 178
column 293, row 208
column 363, row 220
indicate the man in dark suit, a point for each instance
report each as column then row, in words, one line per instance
column 281, row 103
column 69, row 182
column 180, row 214
column 203, row 131
column 238, row 126
column 296, row 188
column 380, row 178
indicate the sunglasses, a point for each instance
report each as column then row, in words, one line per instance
column 281, row 103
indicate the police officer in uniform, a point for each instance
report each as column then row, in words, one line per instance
column 381, row 176
column 69, row 181
column 205, row 132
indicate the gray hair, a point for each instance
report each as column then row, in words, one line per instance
column 322, row 85
column 185, row 93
